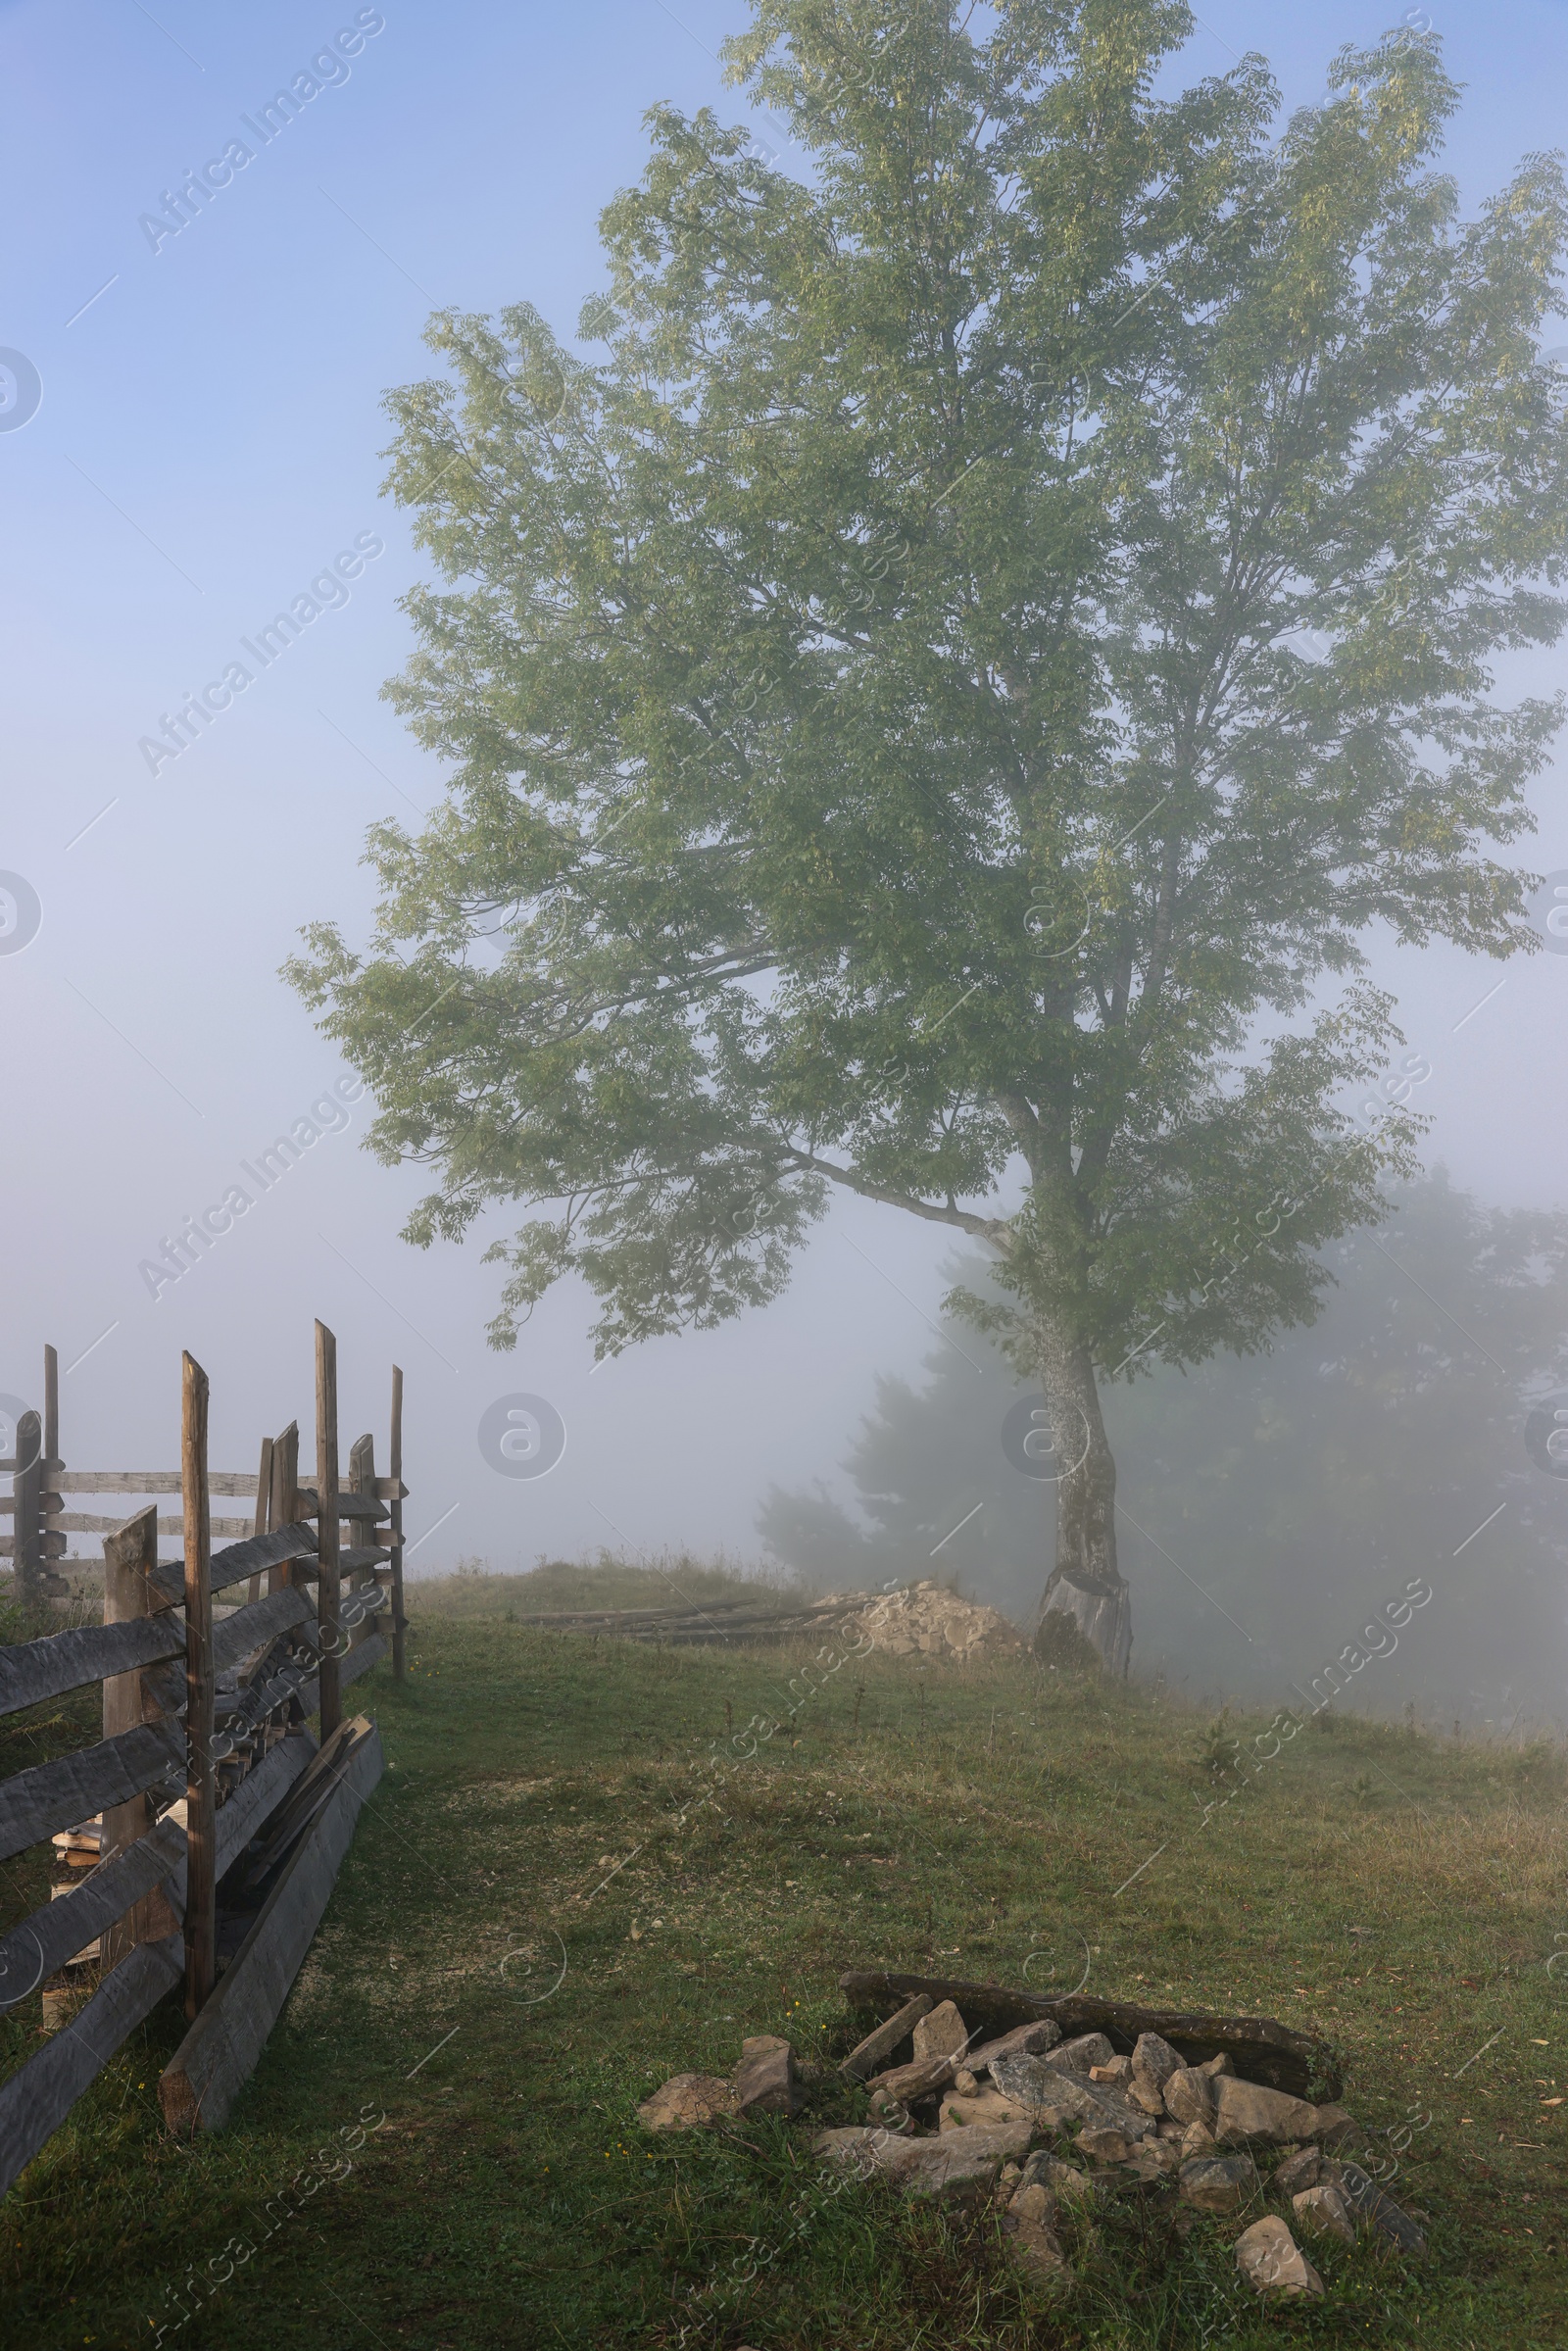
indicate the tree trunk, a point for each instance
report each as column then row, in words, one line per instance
column 1086, row 1583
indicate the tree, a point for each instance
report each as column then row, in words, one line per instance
column 1296, row 1489
column 883, row 747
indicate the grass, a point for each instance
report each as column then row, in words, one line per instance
column 524, row 1942
column 556, row 1586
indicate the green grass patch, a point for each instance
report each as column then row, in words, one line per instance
column 440, row 2147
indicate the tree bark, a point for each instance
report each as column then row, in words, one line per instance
column 1086, row 1585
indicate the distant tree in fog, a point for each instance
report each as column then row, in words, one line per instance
column 1001, row 620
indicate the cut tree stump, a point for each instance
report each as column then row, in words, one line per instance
column 1260, row 2048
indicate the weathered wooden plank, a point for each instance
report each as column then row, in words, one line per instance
column 219, row 2054
column 34, row 1804
column 257, row 1622
column 36, row 2100
column 285, row 1477
column 201, row 1786
column 363, row 1555
column 1260, row 2048
column 308, row 1504
column 146, row 1480
column 237, row 1560
column 33, row 1670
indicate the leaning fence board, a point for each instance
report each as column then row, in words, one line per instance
column 34, row 1804
column 218, row 2053
column 36, row 2100
column 34, row 1670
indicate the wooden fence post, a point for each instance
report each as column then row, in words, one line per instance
column 362, row 1477
column 201, row 1848
column 395, row 1531
column 286, row 1483
column 131, row 1554
column 27, row 1486
column 328, row 1597
column 263, row 1519
column 51, row 1503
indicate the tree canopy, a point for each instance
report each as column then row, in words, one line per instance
column 932, row 702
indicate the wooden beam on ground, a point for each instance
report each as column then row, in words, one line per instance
column 130, row 1557
column 327, row 1591
column 201, row 1848
column 219, row 2054
column 36, row 2100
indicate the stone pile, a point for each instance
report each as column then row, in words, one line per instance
column 1029, row 2122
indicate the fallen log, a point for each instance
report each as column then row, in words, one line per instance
column 1260, row 2048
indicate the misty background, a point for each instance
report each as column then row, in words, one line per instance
column 208, row 441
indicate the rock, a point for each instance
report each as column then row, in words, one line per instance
column 1026, row 2041
column 1166, row 2129
column 1197, row 2139
column 1323, row 2212
column 926, row 1621
column 1154, row 2060
column 1244, row 2113
column 917, row 2080
column 1119, row 2070
column 1155, row 2159
column 1188, row 2095
column 1375, row 2210
column 956, row 2164
column 964, row 2083
column 1063, row 2179
column 1215, row 2067
column 1103, row 2145
column 1331, row 2126
column 1218, row 2182
column 765, row 2080
column 1009, row 2177
column 1077, row 2056
column 988, row 2106
column 1030, row 2223
column 1299, row 2171
column 686, row 2101
column 1053, row 2097
column 1146, row 2096
column 942, row 2034
column 889, row 2112
column 1269, row 2258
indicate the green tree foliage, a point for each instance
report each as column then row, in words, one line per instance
column 1298, row 1489
column 882, row 751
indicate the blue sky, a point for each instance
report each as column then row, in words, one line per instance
column 207, row 443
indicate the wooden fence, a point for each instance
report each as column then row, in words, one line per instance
column 203, row 1832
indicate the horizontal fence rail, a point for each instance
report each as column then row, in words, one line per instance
column 212, row 1668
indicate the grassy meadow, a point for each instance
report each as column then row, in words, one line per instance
column 540, row 1920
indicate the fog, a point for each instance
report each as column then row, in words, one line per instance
column 207, row 443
